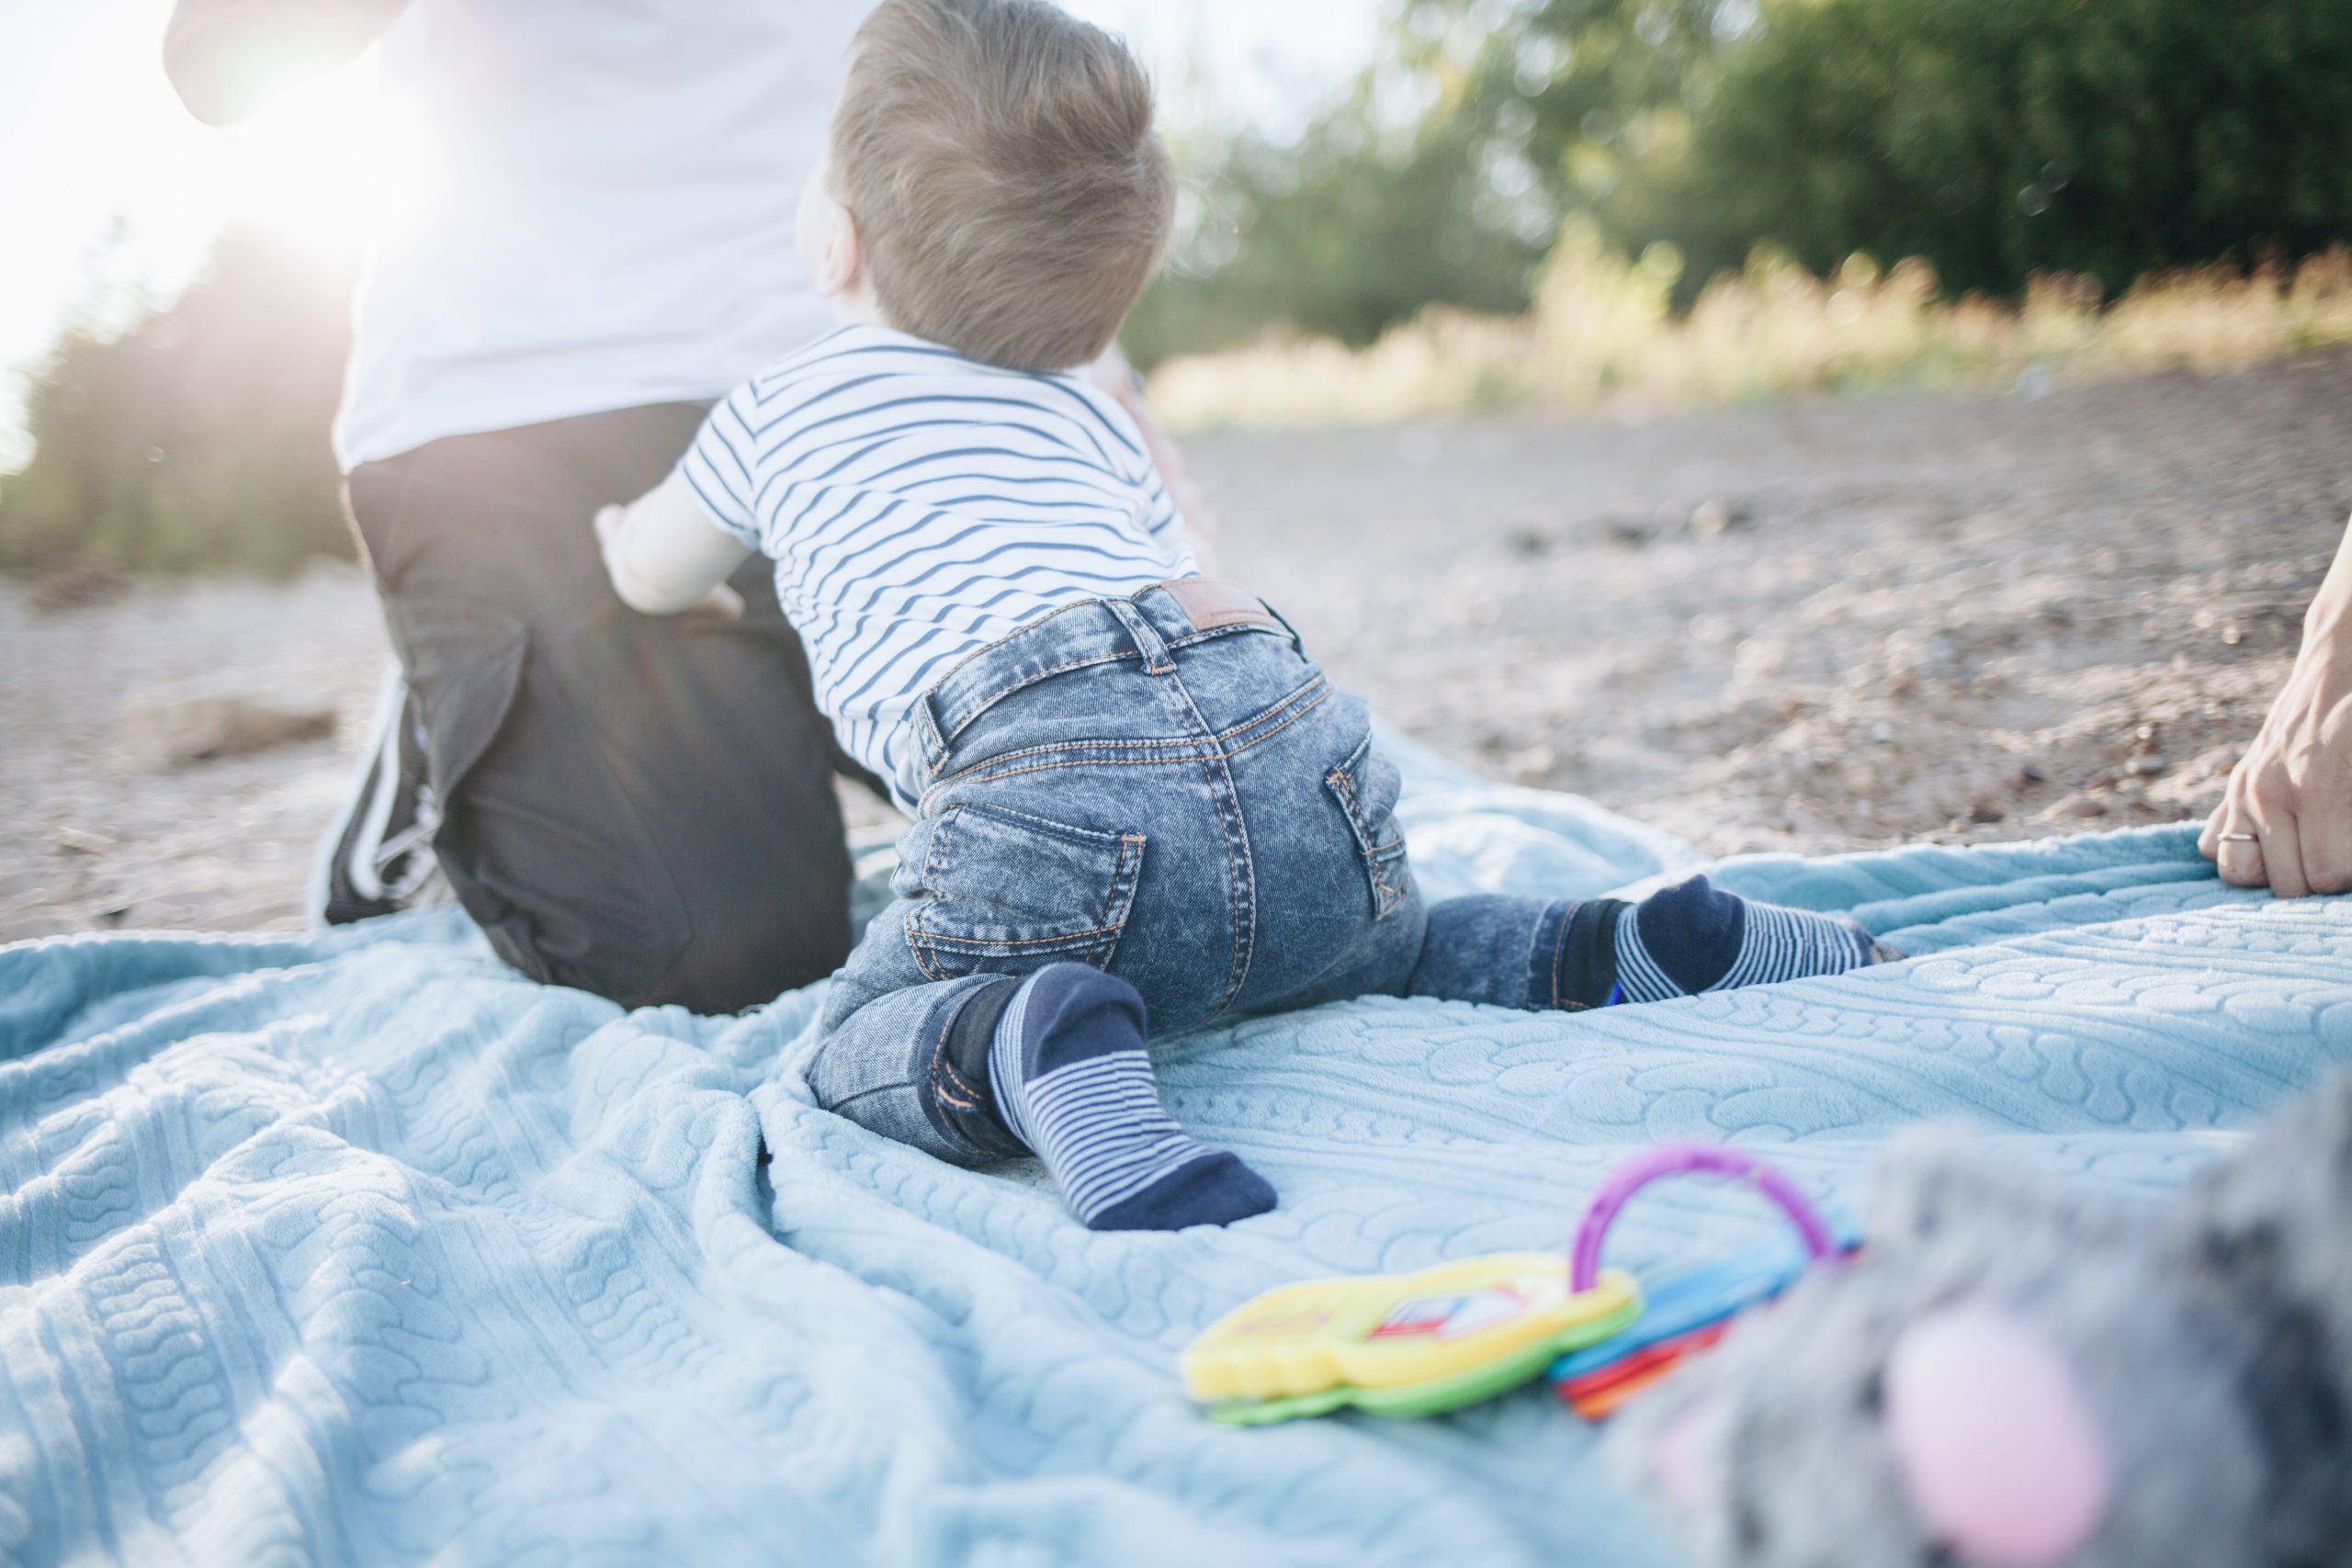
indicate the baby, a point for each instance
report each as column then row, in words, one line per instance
column 1136, row 803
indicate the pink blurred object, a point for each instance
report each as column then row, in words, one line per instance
column 1994, row 1438
column 1678, row 1461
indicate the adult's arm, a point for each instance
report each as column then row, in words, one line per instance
column 229, row 58
column 2293, row 790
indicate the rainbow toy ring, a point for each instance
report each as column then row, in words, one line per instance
column 1426, row 1343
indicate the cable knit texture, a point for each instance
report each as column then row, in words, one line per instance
column 364, row 1250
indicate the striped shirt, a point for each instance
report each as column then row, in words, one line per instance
column 919, row 506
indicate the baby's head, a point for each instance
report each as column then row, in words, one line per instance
column 993, row 182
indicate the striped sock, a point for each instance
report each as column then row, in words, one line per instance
column 1073, row 1082
column 1693, row 937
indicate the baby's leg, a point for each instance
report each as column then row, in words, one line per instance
column 1534, row 953
column 1072, row 1081
column 988, row 1066
column 1695, row 937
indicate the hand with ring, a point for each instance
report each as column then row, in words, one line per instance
column 2287, row 820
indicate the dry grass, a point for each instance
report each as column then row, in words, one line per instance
column 1602, row 335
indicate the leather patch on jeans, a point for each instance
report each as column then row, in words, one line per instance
column 1208, row 604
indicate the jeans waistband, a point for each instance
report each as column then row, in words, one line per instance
column 1148, row 626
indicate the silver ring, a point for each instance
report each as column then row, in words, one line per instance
column 2241, row 838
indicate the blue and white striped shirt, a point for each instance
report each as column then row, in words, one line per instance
column 919, row 506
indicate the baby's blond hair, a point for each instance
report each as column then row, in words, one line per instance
column 999, row 159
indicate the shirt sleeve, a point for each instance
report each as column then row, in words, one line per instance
column 722, row 467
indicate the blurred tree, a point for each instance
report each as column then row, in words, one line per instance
column 1993, row 138
column 1338, row 235
column 1444, row 178
column 1999, row 138
column 198, row 436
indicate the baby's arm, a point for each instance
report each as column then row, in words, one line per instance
column 665, row 555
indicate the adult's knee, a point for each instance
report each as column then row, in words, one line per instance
column 711, row 945
column 743, row 957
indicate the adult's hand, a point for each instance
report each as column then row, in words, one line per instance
column 2287, row 820
column 229, row 58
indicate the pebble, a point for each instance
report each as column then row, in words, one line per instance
column 208, row 730
column 1713, row 519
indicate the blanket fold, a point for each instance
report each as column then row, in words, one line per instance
column 364, row 1250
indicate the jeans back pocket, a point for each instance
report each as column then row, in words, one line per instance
column 1000, row 891
column 1366, row 786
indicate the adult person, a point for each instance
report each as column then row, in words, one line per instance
column 601, row 246
column 2287, row 820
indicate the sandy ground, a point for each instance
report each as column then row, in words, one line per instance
column 1819, row 625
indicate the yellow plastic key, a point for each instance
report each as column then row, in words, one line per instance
column 1389, row 1331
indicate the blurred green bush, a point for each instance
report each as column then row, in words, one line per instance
column 195, row 439
column 2001, row 138
column 1994, row 139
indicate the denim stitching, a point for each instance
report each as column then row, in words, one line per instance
column 1385, row 897
column 1309, row 695
column 1233, row 877
column 940, row 1065
column 938, row 1058
column 925, row 943
column 1207, row 634
column 1239, row 869
column 1143, row 634
column 919, row 940
column 966, row 713
column 926, row 960
column 1559, row 951
column 977, row 776
column 988, row 943
column 1313, row 693
column 1051, row 828
column 1031, row 678
column 1118, row 875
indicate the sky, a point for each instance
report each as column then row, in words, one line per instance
column 109, row 193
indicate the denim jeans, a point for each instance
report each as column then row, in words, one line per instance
column 1165, row 788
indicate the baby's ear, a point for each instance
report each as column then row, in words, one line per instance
column 832, row 250
column 2000, row 1452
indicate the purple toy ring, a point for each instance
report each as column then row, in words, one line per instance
column 1682, row 1159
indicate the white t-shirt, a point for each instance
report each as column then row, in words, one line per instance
column 605, row 214
column 919, row 506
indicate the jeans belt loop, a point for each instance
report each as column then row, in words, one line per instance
column 927, row 731
column 1156, row 660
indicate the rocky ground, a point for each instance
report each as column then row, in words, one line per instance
column 1815, row 626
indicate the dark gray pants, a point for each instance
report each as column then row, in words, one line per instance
column 640, row 807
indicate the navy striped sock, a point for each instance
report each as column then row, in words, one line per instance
column 1694, row 937
column 1073, row 1082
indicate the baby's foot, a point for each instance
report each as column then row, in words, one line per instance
column 1073, row 1082
column 1694, row 937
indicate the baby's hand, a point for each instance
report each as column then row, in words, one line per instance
column 608, row 530
column 722, row 603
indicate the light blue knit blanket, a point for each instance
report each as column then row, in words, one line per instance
column 362, row 1250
